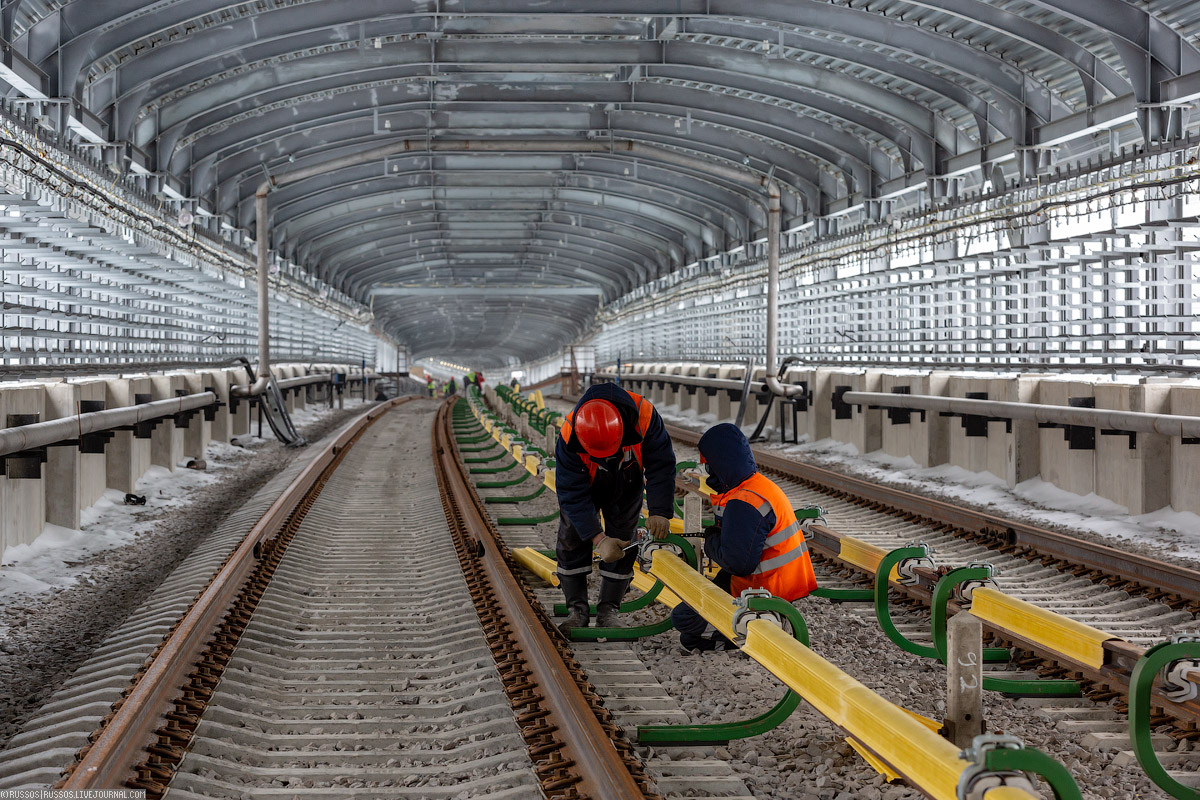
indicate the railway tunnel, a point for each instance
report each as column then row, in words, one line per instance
column 296, row 297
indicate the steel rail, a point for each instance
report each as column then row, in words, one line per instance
column 42, row 434
column 992, row 529
column 110, row 761
column 604, row 774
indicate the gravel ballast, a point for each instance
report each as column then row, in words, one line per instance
column 805, row 758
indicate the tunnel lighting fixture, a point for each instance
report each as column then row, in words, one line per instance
column 14, row 212
column 738, row 249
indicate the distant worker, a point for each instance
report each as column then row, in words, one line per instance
column 611, row 447
column 514, row 385
column 429, row 384
column 479, row 379
column 468, row 380
column 451, row 387
column 756, row 539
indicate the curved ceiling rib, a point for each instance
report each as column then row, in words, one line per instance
column 553, row 157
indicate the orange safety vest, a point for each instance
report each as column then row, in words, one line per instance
column 645, row 414
column 785, row 568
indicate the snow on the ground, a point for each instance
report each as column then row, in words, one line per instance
column 1034, row 500
column 60, row 556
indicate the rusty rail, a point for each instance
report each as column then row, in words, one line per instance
column 580, row 755
column 110, row 761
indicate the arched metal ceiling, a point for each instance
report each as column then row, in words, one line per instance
column 557, row 155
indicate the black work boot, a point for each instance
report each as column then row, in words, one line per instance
column 575, row 595
column 575, row 619
column 607, row 616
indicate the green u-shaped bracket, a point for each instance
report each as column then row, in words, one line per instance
column 723, row 732
column 482, row 449
column 518, row 498
column 837, row 595
column 524, row 476
column 484, row 459
column 1052, row 772
column 472, row 440
column 883, row 611
column 528, row 520
column 941, row 598
column 1046, row 687
column 1140, row 733
column 494, row 470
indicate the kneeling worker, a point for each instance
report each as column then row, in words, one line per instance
column 611, row 447
column 756, row 539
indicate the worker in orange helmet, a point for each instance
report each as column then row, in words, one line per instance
column 612, row 446
column 756, row 539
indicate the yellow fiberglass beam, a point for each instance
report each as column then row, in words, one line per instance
column 531, row 464
column 548, row 479
column 895, row 737
column 541, row 401
column 863, row 555
column 712, row 603
column 540, row 565
column 1057, row 633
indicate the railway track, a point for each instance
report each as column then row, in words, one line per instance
column 333, row 652
column 1138, row 599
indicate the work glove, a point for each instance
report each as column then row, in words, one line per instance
column 611, row 549
column 659, row 527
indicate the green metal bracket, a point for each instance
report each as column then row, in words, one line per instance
column 483, row 449
column 883, row 611
column 941, row 597
column 1157, row 658
column 844, row 595
column 528, row 520
column 723, row 732
column 621, row 634
column 1035, row 761
column 493, row 470
column 504, row 484
column 519, row 499
column 473, row 439
column 1048, row 687
column 485, row 459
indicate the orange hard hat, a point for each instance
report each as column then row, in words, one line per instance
column 599, row 428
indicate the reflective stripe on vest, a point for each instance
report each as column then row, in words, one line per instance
column 778, row 561
column 784, row 568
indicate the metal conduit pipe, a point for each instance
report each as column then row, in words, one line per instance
column 42, row 434
column 264, row 310
column 1134, row 421
column 239, row 390
column 773, row 231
